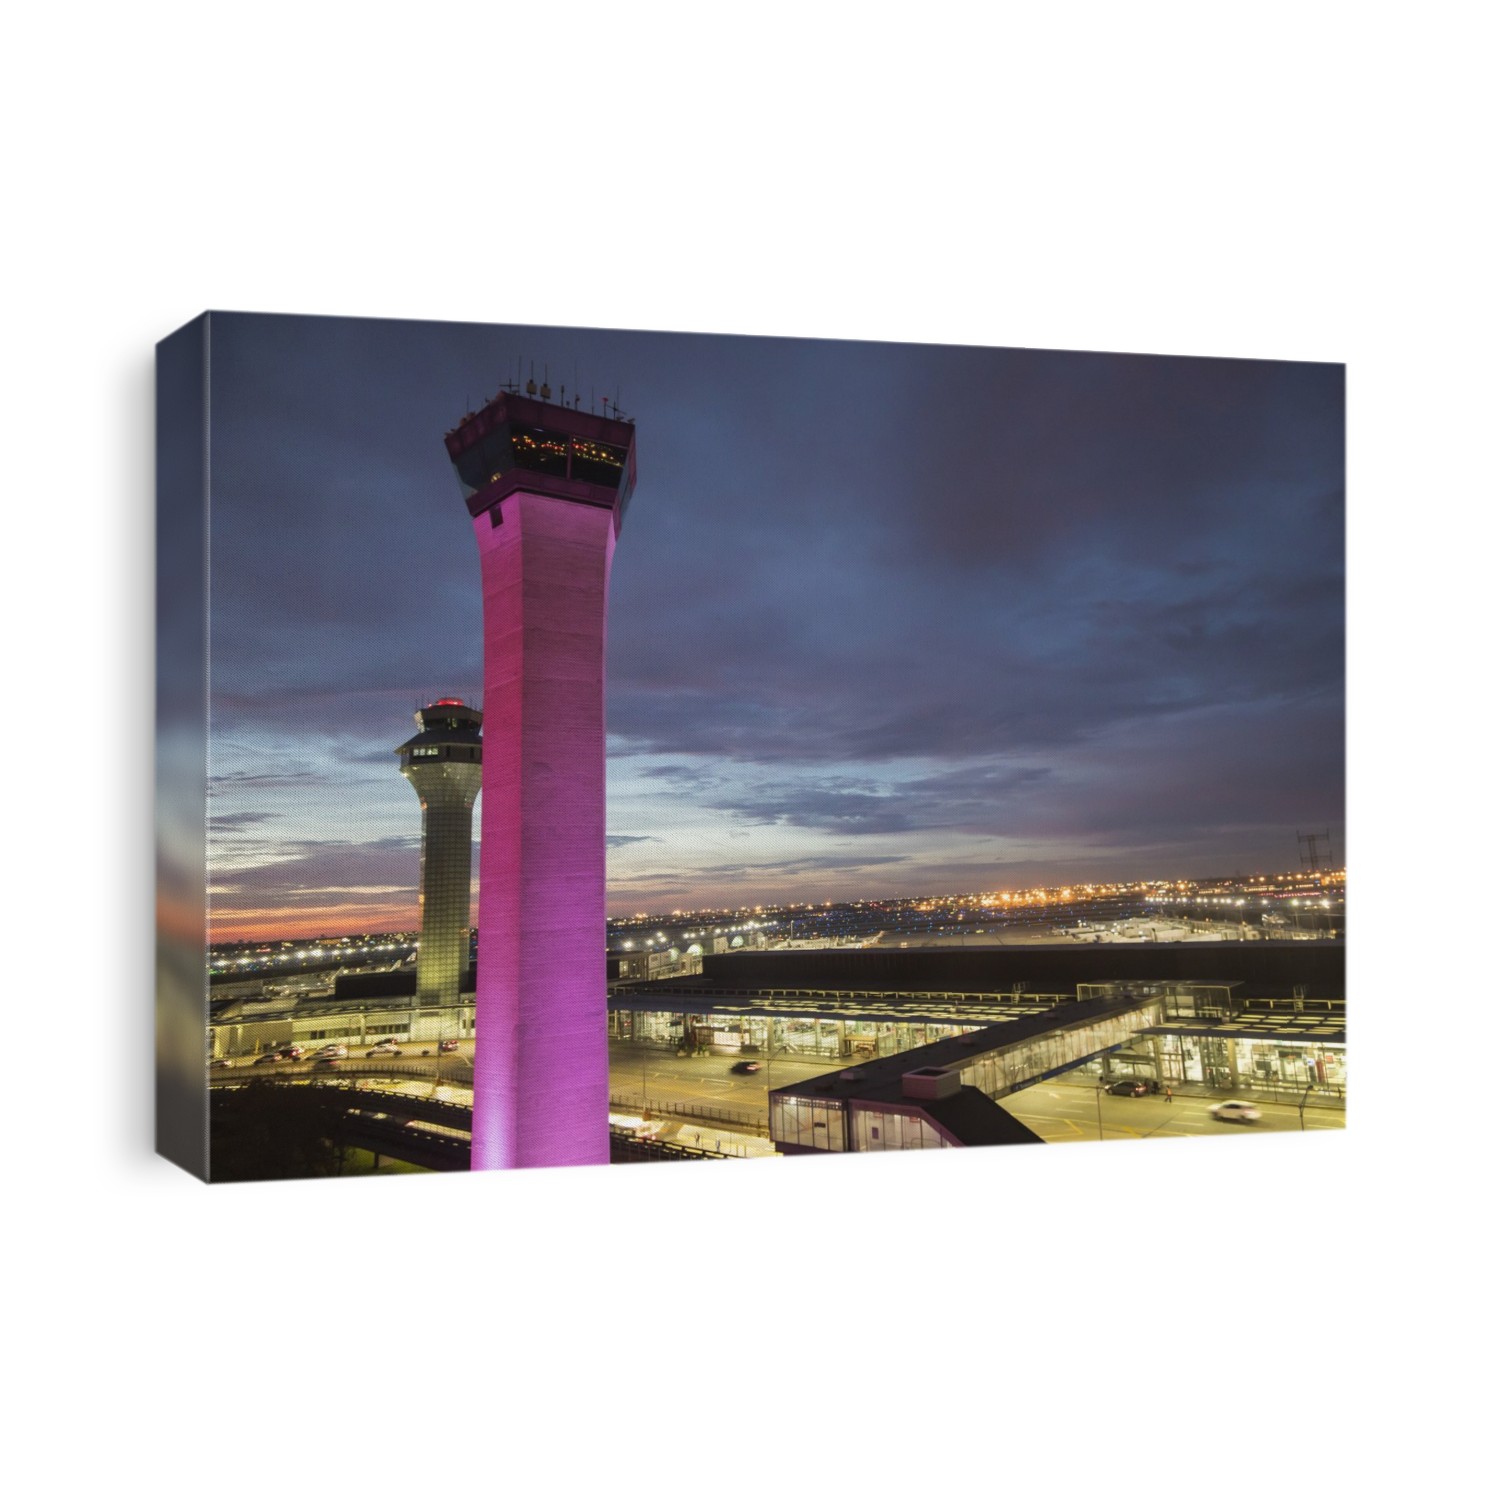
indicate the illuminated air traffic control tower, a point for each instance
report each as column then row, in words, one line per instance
column 444, row 762
column 547, row 486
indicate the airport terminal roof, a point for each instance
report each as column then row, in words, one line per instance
column 1262, row 968
column 1284, row 1028
column 938, row 1007
column 977, row 1120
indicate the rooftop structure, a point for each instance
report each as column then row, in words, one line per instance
column 943, row 1094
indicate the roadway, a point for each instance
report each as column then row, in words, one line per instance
column 655, row 1073
column 1060, row 1110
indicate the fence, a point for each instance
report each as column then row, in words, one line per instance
column 721, row 1114
column 624, row 1147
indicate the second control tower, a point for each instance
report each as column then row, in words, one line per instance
column 444, row 763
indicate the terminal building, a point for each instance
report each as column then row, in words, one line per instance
column 899, row 1066
column 1265, row 1033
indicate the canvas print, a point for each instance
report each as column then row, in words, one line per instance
column 589, row 747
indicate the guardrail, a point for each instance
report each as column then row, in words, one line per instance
column 866, row 997
column 718, row 1114
column 438, row 1153
column 625, row 1147
column 443, row 1069
column 353, row 1096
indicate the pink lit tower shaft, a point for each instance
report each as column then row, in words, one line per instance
column 547, row 486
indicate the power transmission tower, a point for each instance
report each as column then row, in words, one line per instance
column 1317, row 858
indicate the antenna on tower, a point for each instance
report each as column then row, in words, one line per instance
column 531, row 380
column 546, row 389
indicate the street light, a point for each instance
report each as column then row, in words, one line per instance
column 1302, row 1106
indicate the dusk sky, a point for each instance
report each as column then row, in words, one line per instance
column 884, row 619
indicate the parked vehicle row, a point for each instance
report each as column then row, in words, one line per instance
column 329, row 1053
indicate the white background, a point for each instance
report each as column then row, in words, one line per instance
column 1289, row 1313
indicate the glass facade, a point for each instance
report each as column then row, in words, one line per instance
column 894, row 1130
column 598, row 463
column 1005, row 1069
column 540, row 450
column 1229, row 1062
column 834, row 1038
column 817, row 1123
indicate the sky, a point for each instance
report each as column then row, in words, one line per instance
column 885, row 619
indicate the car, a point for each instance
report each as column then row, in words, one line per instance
column 333, row 1049
column 448, row 1046
column 745, row 1066
column 384, row 1049
column 221, row 1062
column 267, row 1057
column 320, row 1063
column 293, row 1054
column 1130, row 1088
column 1239, row 1111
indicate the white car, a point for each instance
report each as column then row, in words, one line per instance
column 384, row 1049
column 333, row 1049
column 1236, row 1110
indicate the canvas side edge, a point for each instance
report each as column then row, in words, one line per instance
column 181, row 819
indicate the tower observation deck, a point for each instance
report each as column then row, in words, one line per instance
column 546, row 487
column 444, row 763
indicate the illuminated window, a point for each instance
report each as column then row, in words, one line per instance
column 541, row 450
column 598, row 463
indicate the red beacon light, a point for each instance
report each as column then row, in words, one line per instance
column 449, row 703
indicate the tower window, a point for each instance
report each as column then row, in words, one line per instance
column 537, row 448
column 598, row 463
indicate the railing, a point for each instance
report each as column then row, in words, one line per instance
column 624, row 1147
column 721, row 1114
column 1293, row 1007
column 866, row 997
column 440, row 1070
column 347, row 1094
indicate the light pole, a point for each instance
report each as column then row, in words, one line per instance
column 1099, row 1106
column 770, row 1058
column 437, row 1051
